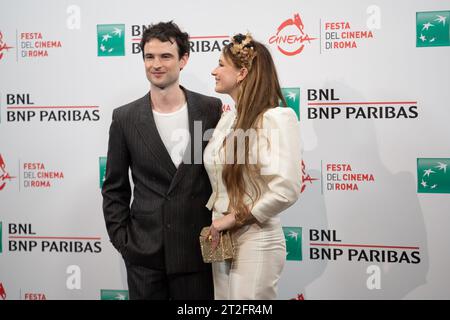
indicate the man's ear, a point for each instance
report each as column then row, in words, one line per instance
column 183, row 61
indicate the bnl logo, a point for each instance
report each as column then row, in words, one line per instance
column 102, row 169
column 110, row 40
column 292, row 98
column 432, row 175
column 433, row 29
column 114, row 294
column 293, row 236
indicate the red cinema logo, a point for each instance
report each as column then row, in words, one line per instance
column 4, row 175
column 306, row 177
column 2, row 292
column 291, row 37
column 3, row 46
column 299, row 297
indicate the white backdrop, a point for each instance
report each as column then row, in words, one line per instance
column 371, row 88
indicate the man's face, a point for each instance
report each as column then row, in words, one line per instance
column 162, row 64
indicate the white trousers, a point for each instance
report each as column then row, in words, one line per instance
column 254, row 272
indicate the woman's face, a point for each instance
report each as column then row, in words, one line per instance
column 227, row 76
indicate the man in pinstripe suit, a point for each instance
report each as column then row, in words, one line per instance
column 158, row 234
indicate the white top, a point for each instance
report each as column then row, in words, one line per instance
column 278, row 152
column 173, row 129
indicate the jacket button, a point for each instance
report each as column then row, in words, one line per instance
column 168, row 226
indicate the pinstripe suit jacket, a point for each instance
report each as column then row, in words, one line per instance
column 160, row 229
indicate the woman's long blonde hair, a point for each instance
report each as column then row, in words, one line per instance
column 259, row 91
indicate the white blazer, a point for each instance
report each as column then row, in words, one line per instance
column 278, row 148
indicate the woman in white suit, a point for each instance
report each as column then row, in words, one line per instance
column 253, row 161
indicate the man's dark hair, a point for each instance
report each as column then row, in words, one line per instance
column 166, row 31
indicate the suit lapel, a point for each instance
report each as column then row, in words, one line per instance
column 146, row 127
column 194, row 150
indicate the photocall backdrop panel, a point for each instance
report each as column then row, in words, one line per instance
column 369, row 82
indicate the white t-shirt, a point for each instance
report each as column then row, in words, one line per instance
column 173, row 129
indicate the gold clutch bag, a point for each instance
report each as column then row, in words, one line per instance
column 223, row 251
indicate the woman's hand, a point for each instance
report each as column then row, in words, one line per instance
column 213, row 236
column 224, row 223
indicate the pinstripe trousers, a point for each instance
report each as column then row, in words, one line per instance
column 151, row 284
